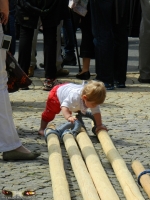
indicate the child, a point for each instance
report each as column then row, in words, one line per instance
column 70, row 97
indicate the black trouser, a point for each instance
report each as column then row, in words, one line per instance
column 110, row 40
column 87, row 45
column 25, row 46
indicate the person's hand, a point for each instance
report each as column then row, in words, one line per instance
column 3, row 18
column 4, row 12
column 100, row 127
column 72, row 119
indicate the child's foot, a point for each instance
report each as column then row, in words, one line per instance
column 41, row 132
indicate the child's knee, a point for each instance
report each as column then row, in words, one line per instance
column 47, row 117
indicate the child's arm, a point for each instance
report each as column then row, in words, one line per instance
column 67, row 114
column 98, row 120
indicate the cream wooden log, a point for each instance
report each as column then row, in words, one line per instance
column 130, row 189
column 56, row 167
column 145, row 179
column 84, row 180
column 97, row 172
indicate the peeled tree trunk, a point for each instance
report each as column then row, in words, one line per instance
column 58, row 177
column 82, row 175
column 145, row 179
column 129, row 187
column 96, row 170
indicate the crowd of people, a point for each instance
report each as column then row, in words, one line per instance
column 104, row 27
column 104, row 38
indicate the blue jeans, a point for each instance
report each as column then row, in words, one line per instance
column 110, row 40
column 68, row 34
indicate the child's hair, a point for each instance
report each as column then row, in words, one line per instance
column 95, row 91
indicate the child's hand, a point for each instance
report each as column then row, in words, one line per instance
column 101, row 127
column 72, row 119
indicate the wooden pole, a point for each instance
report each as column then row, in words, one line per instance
column 130, row 189
column 145, row 179
column 100, row 179
column 83, row 178
column 56, row 167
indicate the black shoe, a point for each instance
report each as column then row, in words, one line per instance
column 50, row 83
column 69, row 60
column 17, row 155
column 41, row 65
column 109, row 86
column 143, row 80
column 119, row 84
column 83, row 76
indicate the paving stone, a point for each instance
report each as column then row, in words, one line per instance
column 126, row 113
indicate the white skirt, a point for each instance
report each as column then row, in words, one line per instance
column 9, row 138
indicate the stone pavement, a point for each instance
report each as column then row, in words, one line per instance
column 126, row 113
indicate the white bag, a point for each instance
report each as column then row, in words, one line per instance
column 79, row 6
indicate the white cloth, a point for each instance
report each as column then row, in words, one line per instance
column 69, row 95
column 9, row 138
column 79, row 6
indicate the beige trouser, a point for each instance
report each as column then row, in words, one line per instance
column 9, row 139
column 144, row 46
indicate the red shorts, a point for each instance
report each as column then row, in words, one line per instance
column 52, row 105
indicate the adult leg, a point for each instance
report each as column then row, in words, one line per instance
column 121, row 47
column 59, row 60
column 101, row 15
column 87, row 46
column 33, row 62
column 50, row 57
column 144, row 46
column 50, row 52
column 10, row 143
column 69, row 42
column 25, row 46
column 68, row 37
column 8, row 136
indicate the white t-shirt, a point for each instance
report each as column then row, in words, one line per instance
column 69, row 96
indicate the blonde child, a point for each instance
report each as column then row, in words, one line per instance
column 69, row 98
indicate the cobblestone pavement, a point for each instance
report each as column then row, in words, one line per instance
column 126, row 113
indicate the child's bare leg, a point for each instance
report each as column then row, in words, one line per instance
column 42, row 127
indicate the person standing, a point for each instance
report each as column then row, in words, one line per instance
column 109, row 27
column 10, row 143
column 144, row 45
column 87, row 47
column 27, row 14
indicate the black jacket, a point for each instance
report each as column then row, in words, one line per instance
column 50, row 12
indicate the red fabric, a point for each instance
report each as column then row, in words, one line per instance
column 52, row 105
